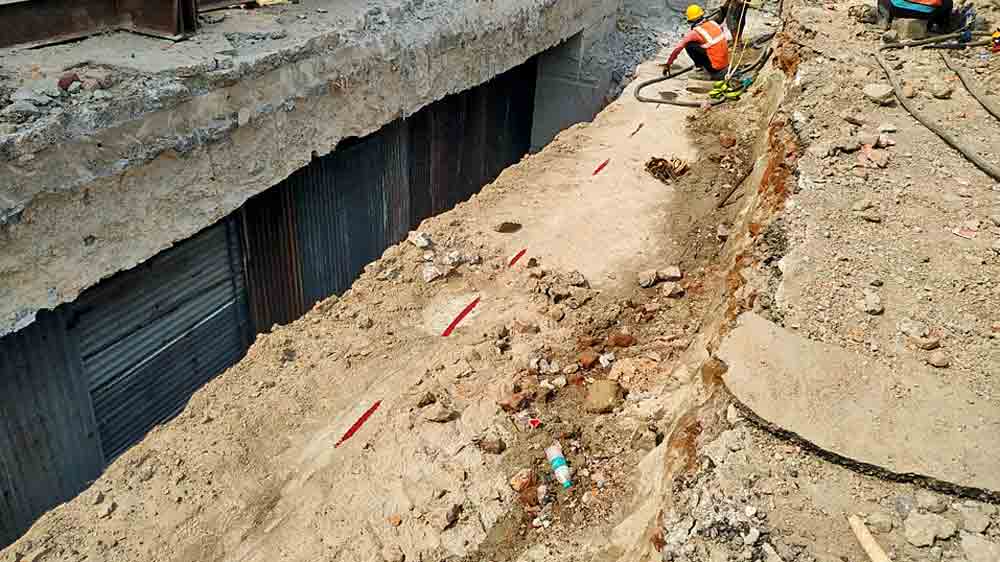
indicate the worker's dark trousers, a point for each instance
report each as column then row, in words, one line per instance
column 701, row 60
column 939, row 19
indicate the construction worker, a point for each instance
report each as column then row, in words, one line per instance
column 707, row 44
column 936, row 12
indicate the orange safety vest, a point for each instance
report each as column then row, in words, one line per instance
column 932, row 3
column 713, row 40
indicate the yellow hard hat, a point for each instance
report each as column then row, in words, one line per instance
column 695, row 12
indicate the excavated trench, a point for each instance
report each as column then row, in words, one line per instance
column 131, row 350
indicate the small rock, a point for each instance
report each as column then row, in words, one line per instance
column 913, row 328
column 909, row 91
column 866, row 138
column 571, row 368
column 507, row 227
column 871, row 215
column 21, row 109
column 606, row 359
column 672, row 290
column 880, row 522
column 887, row 128
column 67, row 80
column 588, row 358
column 752, row 536
column 621, row 340
column 515, row 402
column 439, row 413
column 853, row 117
column 727, row 140
column 978, row 549
column 522, row 480
column 670, row 273
column 648, row 278
column 921, row 529
column 426, row 400
column 100, row 95
column 448, row 516
column 879, row 93
column 872, row 303
column 603, row 396
column 75, row 87
column 942, row 90
column 862, row 205
column 995, row 219
column 904, row 505
column 31, row 96
column 722, row 232
column 939, row 359
column 927, row 344
column 560, row 382
column 395, row 519
column 910, row 29
column 105, row 511
column 392, row 553
column 420, row 240
column 431, row 273
column 975, row 517
column 557, row 313
column 891, row 36
column 733, row 414
column 493, row 445
column 519, row 327
column 365, row 322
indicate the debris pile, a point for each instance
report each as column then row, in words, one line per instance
column 666, row 169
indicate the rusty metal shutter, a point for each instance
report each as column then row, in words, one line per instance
column 350, row 205
column 151, row 336
column 272, row 256
column 49, row 447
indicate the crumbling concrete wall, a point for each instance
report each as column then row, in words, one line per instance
column 97, row 186
column 574, row 81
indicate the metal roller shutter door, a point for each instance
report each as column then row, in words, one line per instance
column 151, row 336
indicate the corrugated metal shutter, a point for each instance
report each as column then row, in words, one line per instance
column 151, row 336
column 349, row 206
column 49, row 447
column 272, row 256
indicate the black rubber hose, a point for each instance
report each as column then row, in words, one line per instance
column 976, row 94
column 970, row 155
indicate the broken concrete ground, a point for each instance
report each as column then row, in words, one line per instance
column 907, row 424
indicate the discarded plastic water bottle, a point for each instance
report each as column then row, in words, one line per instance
column 558, row 462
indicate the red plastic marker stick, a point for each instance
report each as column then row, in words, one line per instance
column 357, row 425
column 461, row 315
column 514, row 259
column 601, row 167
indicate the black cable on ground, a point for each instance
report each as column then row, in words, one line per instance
column 987, row 168
column 978, row 96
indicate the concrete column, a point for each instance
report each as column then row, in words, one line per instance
column 574, row 80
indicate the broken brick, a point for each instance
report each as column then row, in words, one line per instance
column 588, row 358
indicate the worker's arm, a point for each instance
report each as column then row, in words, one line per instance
column 689, row 37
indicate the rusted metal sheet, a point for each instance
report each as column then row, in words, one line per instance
column 39, row 22
column 273, row 271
